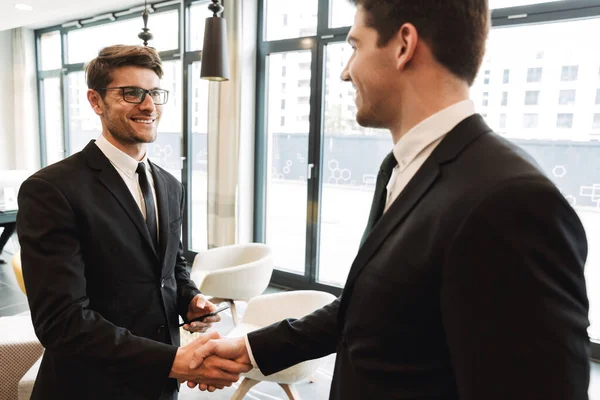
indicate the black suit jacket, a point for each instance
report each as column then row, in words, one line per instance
column 469, row 287
column 104, row 302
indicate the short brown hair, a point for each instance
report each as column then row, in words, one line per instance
column 455, row 30
column 99, row 70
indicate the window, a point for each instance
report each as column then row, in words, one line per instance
column 596, row 123
column 534, row 74
column 486, row 77
column 532, row 97
column 569, row 73
column 564, row 121
column 50, row 51
column 301, row 19
column 485, row 100
column 566, row 97
column 597, row 96
column 83, row 44
column 287, row 147
column 530, row 121
column 504, row 101
column 506, row 76
column 502, row 121
column 53, row 123
column 198, row 13
column 341, row 14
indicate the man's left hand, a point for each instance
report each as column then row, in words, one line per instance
column 198, row 307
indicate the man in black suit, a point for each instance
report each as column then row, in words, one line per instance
column 101, row 252
column 469, row 281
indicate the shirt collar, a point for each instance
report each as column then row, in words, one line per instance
column 429, row 130
column 119, row 159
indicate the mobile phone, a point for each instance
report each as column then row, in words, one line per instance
column 218, row 310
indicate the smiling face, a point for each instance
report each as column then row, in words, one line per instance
column 127, row 125
column 370, row 69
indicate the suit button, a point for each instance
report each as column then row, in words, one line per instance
column 162, row 283
column 160, row 329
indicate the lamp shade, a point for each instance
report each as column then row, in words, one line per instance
column 215, row 63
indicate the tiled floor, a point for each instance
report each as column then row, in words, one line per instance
column 13, row 301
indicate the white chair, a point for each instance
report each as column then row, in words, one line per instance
column 267, row 309
column 235, row 272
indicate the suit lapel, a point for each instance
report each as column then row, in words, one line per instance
column 402, row 206
column 110, row 178
column 424, row 180
column 162, row 198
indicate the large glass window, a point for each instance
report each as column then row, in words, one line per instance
column 199, row 129
column 287, row 155
column 84, row 43
column 290, row 19
column 84, row 124
column 51, row 51
column 53, row 124
column 198, row 14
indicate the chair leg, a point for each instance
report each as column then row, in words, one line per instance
column 234, row 313
column 244, row 387
column 290, row 390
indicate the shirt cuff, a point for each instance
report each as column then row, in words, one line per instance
column 252, row 360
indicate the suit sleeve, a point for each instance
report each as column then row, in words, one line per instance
column 513, row 298
column 186, row 288
column 289, row 342
column 53, row 271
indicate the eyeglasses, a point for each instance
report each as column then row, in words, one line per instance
column 136, row 95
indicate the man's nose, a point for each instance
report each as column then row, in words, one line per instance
column 345, row 76
column 148, row 103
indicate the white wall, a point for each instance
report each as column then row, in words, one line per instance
column 7, row 112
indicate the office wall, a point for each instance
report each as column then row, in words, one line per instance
column 7, row 112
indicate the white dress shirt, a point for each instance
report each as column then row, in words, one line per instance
column 126, row 167
column 417, row 144
column 412, row 150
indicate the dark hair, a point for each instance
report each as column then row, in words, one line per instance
column 455, row 30
column 98, row 71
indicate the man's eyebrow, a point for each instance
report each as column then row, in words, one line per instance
column 352, row 39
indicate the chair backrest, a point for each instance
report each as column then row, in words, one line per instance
column 18, row 270
column 269, row 308
column 237, row 272
column 230, row 256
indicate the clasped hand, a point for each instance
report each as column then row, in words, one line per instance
column 211, row 368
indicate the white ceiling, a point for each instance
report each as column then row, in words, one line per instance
column 52, row 12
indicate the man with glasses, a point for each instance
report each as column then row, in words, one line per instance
column 101, row 252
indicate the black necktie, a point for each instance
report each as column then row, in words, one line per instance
column 380, row 196
column 149, row 201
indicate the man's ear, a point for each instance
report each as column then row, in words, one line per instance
column 406, row 40
column 95, row 101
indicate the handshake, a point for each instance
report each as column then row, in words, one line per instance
column 211, row 362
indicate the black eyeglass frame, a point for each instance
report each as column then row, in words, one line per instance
column 144, row 92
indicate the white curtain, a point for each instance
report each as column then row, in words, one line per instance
column 231, row 123
column 26, row 116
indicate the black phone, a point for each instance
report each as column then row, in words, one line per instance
column 218, row 310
